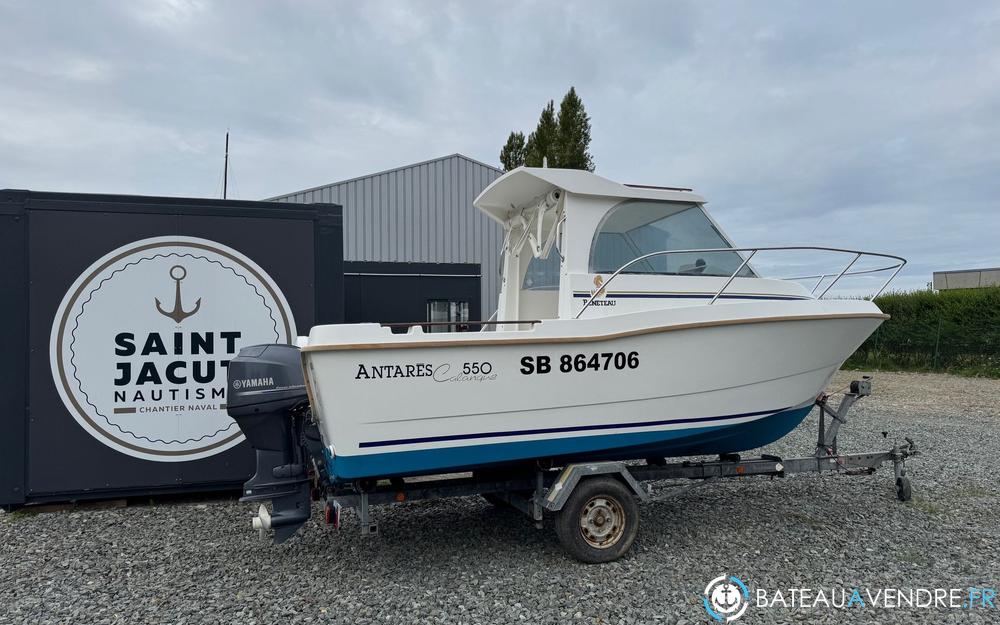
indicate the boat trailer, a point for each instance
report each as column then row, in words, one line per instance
column 594, row 504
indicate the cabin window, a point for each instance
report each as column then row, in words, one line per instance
column 638, row 227
column 452, row 314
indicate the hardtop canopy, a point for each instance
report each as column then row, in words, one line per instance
column 509, row 193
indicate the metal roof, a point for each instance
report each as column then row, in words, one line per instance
column 967, row 270
column 387, row 171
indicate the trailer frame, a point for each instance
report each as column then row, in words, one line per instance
column 540, row 490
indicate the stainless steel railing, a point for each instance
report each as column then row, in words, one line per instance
column 752, row 251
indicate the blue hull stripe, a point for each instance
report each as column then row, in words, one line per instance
column 578, row 428
column 691, row 296
column 694, row 441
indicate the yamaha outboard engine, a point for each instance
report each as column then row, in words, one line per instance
column 267, row 398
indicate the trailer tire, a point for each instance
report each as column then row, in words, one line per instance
column 599, row 521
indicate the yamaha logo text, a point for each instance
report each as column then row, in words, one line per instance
column 252, row 383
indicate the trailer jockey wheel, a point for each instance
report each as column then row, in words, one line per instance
column 599, row 521
column 904, row 491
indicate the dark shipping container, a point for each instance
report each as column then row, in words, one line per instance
column 119, row 316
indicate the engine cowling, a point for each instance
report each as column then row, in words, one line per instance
column 267, row 398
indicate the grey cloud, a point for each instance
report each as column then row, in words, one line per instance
column 858, row 124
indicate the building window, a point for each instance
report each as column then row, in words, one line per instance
column 445, row 311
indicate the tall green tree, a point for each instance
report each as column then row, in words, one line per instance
column 541, row 144
column 561, row 140
column 512, row 153
column 573, row 134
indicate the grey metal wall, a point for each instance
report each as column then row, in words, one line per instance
column 966, row 279
column 419, row 213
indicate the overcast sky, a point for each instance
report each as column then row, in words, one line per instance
column 866, row 124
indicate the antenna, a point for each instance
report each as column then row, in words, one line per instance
column 225, row 169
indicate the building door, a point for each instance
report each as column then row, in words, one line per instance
column 447, row 315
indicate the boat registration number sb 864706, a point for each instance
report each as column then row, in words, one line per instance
column 569, row 363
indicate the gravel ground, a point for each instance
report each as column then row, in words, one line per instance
column 462, row 561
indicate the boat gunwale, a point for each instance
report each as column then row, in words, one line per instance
column 415, row 344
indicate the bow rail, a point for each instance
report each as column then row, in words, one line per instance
column 895, row 267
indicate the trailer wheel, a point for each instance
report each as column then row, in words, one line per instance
column 904, row 490
column 599, row 521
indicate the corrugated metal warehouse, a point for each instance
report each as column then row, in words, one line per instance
column 419, row 213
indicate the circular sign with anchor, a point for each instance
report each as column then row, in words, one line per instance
column 141, row 342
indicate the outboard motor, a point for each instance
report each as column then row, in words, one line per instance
column 267, row 398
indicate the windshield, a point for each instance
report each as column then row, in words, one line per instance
column 542, row 273
column 638, row 227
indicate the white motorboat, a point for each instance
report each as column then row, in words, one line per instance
column 628, row 326
column 632, row 348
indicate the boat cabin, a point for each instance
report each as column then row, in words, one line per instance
column 567, row 233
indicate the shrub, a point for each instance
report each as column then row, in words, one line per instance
column 955, row 331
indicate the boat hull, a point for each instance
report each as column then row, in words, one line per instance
column 653, row 384
column 622, row 446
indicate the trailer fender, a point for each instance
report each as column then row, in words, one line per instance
column 571, row 475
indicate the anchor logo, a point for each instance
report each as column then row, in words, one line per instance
column 178, row 314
